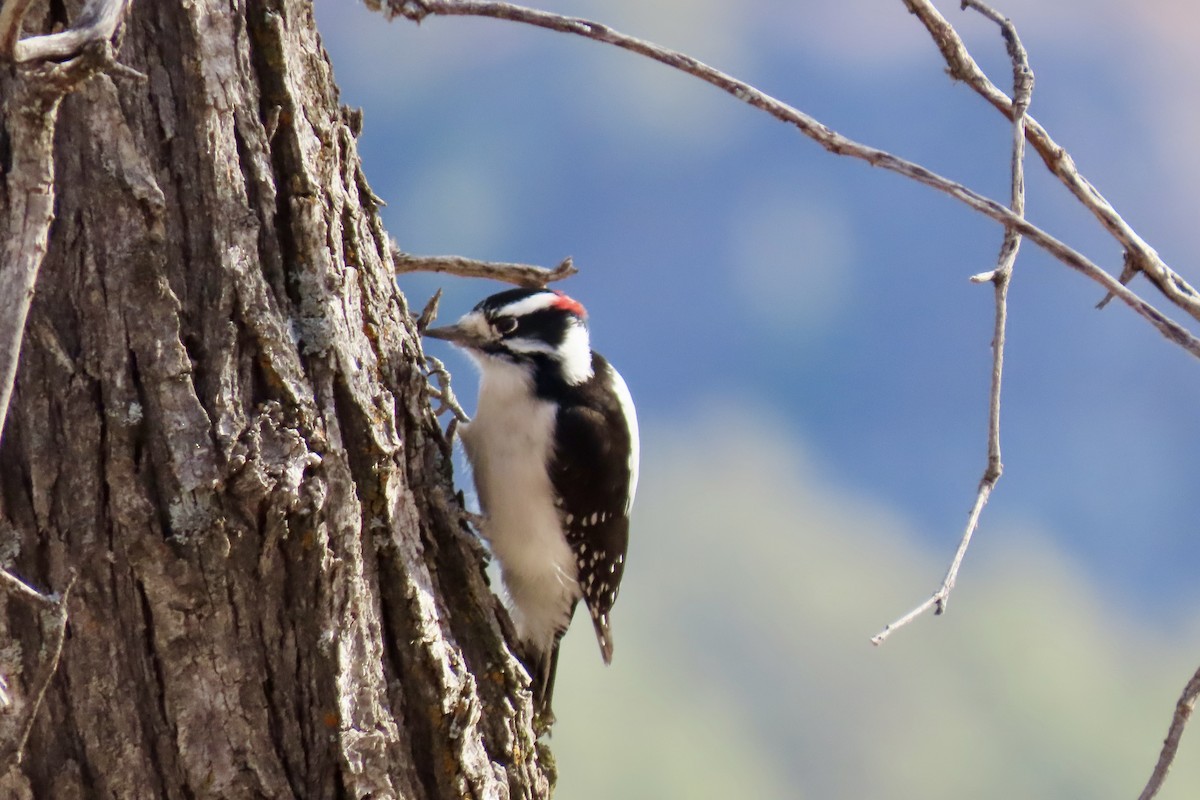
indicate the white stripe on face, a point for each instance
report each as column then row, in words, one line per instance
column 574, row 354
column 528, row 305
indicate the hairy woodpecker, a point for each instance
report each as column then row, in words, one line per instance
column 554, row 452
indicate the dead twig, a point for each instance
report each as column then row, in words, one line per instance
column 834, row 142
column 15, row 585
column 1128, row 272
column 12, row 752
column 999, row 278
column 429, row 313
column 517, row 274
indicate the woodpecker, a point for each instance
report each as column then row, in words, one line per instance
column 553, row 449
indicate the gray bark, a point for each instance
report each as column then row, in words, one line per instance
column 221, row 426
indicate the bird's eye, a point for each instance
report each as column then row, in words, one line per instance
column 506, row 325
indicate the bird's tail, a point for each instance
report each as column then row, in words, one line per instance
column 603, row 636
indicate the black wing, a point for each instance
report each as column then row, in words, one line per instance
column 591, row 472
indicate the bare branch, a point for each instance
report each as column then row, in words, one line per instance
column 829, row 139
column 1183, row 712
column 999, row 278
column 1141, row 256
column 517, row 274
column 15, row 585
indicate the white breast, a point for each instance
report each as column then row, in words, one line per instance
column 509, row 444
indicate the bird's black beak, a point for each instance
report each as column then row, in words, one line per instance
column 446, row 332
column 455, row 334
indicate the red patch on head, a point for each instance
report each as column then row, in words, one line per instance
column 569, row 304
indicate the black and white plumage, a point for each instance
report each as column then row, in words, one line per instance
column 554, row 452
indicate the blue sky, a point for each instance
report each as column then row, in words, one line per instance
column 750, row 285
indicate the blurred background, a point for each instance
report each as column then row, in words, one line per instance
column 811, row 368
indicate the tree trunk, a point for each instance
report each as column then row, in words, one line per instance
column 221, row 426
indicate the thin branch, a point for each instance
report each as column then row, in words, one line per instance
column 517, row 274
column 12, row 752
column 1183, row 712
column 15, row 585
column 1000, row 278
column 1141, row 256
column 827, row 138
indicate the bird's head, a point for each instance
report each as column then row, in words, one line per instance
column 536, row 329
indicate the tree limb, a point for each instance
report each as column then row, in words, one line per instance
column 834, row 142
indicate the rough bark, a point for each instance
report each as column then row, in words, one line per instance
column 221, row 425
